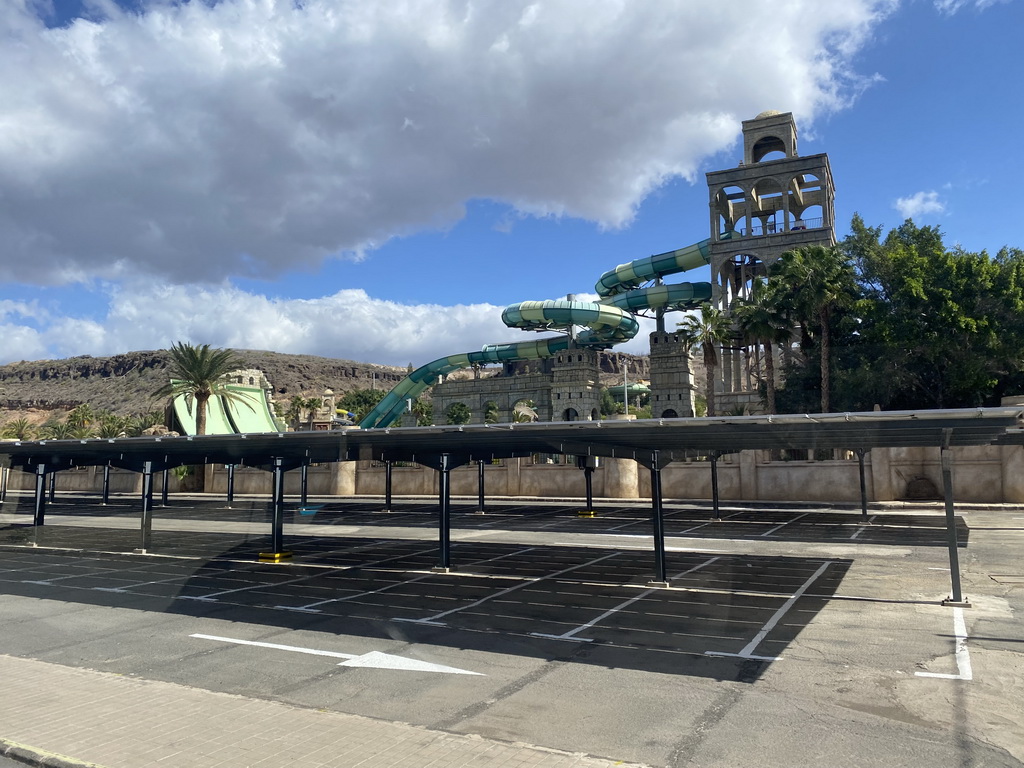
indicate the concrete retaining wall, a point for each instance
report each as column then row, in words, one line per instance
column 983, row 474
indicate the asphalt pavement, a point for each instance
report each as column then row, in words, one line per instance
column 789, row 636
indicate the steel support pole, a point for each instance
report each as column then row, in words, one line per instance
column 231, row 485
column 53, row 486
column 445, row 521
column 480, row 487
column 146, row 522
column 660, row 577
column 957, row 598
column 163, row 487
column 5, row 475
column 863, row 486
column 714, row 486
column 39, row 511
column 304, row 484
column 387, row 486
column 277, row 509
column 588, row 476
column 106, row 484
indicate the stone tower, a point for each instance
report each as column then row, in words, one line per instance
column 671, row 377
column 575, row 390
column 774, row 201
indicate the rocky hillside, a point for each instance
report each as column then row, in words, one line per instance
column 124, row 383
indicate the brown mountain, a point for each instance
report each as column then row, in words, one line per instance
column 124, row 383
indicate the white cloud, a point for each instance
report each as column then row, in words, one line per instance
column 920, row 204
column 197, row 141
column 348, row 325
column 949, row 7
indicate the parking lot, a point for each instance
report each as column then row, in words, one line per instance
column 547, row 629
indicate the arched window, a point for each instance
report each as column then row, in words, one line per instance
column 768, row 148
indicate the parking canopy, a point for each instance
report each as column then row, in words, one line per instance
column 650, row 442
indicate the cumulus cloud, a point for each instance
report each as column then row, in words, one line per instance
column 348, row 324
column 920, row 204
column 197, row 141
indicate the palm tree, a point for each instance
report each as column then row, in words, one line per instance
column 707, row 331
column 58, row 430
column 81, row 416
column 313, row 404
column 822, row 281
column 19, row 429
column 199, row 373
column 760, row 321
column 112, row 425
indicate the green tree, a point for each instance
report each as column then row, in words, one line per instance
column 458, row 413
column 82, row 416
column 707, row 330
column 760, row 320
column 424, row 410
column 312, row 404
column 137, row 424
column 111, row 425
column 818, row 282
column 199, row 373
column 361, row 401
column 57, row 430
column 941, row 327
column 609, row 405
column 491, row 414
column 19, row 429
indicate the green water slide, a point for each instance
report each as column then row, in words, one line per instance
column 252, row 413
column 226, row 417
column 217, row 421
column 608, row 321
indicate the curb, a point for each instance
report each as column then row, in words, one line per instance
column 23, row 753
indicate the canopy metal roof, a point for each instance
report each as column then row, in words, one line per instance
column 654, row 441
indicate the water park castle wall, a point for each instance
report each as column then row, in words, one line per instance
column 984, row 474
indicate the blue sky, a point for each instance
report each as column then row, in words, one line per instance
column 375, row 181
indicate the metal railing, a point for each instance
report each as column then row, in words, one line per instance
column 773, row 229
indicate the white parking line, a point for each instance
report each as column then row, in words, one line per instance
column 712, row 522
column 783, row 525
column 48, row 582
column 127, row 587
column 860, row 530
column 433, row 620
column 570, row 634
column 748, row 651
column 963, row 657
column 312, row 607
column 212, row 597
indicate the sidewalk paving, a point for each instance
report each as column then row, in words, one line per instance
column 52, row 715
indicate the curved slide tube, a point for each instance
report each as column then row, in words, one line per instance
column 609, row 321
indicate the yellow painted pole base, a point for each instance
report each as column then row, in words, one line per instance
column 586, row 513
column 274, row 557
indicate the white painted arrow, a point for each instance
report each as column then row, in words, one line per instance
column 371, row 660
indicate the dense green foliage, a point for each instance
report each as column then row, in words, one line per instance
column 706, row 331
column 903, row 322
column 360, row 401
column 458, row 413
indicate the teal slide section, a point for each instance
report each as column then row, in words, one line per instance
column 609, row 321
